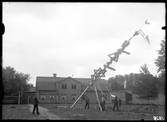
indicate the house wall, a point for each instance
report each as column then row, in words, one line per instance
column 68, row 91
column 48, row 93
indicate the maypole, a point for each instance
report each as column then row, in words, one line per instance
column 113, row 57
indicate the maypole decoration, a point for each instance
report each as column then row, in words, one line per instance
column 113, row 57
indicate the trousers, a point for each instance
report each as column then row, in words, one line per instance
column 116, row 106
column 35, row 108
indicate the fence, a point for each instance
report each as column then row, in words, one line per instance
column 10, row 100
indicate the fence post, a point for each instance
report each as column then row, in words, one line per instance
column 19, row 99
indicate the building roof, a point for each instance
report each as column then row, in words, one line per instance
column 49, row 83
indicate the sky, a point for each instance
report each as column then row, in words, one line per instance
column 74, row 39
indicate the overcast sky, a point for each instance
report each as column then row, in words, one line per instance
column 73, row 39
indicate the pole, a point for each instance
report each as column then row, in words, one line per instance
column 142, row 25
column 98, row 86
column 98, row 76
column 19, row 99
column 81, row 95
column 97, row 97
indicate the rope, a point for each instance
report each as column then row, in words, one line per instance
column 110, row 92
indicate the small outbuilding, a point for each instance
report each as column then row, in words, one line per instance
column 124, row 95
column 128, row 97
column 27, row 97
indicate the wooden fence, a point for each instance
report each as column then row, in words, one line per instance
column 10, row 100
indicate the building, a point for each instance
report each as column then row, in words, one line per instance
column 125, row 95
column 67, row 89
column 128, row 97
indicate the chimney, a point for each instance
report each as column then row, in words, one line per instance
column 54, row 74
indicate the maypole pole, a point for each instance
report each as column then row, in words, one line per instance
column 113, row 57
column 97, row 97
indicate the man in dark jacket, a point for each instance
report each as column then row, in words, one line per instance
column 87, row 102
column 36, row 101
column 115, row 103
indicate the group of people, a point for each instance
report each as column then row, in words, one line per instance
column 117, row 103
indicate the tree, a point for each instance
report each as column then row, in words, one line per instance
column 129, row 81
column 146, row 85
column 160, row 63
column 144, row 69
column 114, row 84
column 7, row 77
column 13, row 81
column 120, row 80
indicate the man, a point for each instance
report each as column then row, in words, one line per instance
column 35, row 102
column 103, row 102
column 115, row 103
column 87, row 102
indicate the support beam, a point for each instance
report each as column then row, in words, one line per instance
column 81, row 95
column 97, row 97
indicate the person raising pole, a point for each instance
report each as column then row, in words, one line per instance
column 115, row 103
column 87, row 102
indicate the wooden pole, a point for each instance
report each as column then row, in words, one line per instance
column 19, row 99
column 97, row 97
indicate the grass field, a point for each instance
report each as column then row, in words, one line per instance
column 19, row 112
column 127, row 112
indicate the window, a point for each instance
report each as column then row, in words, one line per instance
column 64, row 86
column 73, row 87
column 63, row 97
column 73, row 97
column 52, row 97
column 43, row 97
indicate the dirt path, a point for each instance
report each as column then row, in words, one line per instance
column 44, row 113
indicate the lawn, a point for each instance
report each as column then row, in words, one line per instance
column 127, row 112
column 19, row 112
